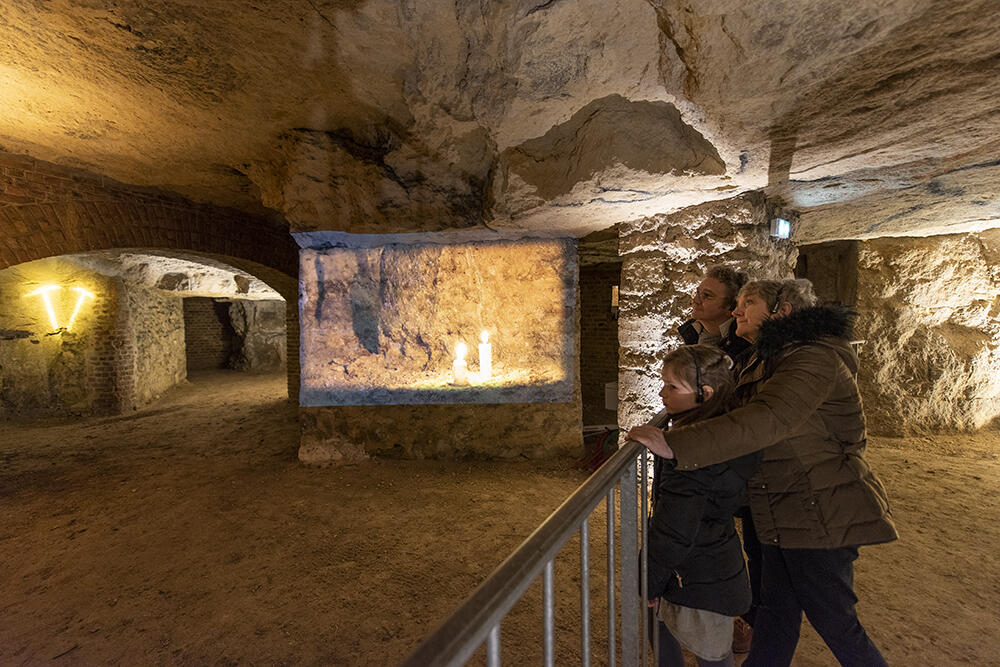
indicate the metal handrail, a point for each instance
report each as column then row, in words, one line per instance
column 458, row 637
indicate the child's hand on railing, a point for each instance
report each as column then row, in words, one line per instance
column 652, row 438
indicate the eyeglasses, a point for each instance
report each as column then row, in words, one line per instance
column 701, row 295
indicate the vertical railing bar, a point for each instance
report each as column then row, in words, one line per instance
column 493, row 647
column 656, row 634
column 643, row 525
column 549, row 616
column 585, row 592
column 611, row 576
column 628, row 509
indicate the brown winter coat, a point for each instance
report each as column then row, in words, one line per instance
column 813, row 488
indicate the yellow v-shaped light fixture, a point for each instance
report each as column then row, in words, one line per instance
column 83, row 294
column 45, row 292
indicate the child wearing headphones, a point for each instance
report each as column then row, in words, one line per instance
column 697, row 579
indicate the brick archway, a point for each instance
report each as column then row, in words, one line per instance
column 48, row 210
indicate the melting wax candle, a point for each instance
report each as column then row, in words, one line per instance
column 485, row 356
column 459, row 369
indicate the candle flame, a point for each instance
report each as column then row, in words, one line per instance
column 485, row 336
column 460, row 351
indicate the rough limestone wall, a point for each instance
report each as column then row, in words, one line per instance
column 930, row 315
column 411, row 313
column 507, row 431
column 48, row 370
column 260, row 344
column 156, row 327
column 664, row 259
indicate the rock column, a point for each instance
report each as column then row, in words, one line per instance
column 664, row 259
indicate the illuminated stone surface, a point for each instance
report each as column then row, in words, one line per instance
column 380, row 325
column 379, row 329
column 664, row 260
column 868, row 118
column 172, row 273
column 376, row 115
column 124, row 348
column 931, row 320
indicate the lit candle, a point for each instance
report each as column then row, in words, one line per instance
column 485, row 356
column 459, row 369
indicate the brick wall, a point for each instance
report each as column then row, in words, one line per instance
column 598, row 340
column 208, row 333
column 48, row 210
column 46, row 369
column 156, row 326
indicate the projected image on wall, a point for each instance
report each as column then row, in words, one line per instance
column 427, row 323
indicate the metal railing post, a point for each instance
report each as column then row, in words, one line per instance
column 585, row 593
column 628, row 508
column 477, row 620
column 644, row 560
column 493, row 647
column 549, row 617
column 612, row 629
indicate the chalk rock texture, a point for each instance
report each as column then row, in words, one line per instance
column 930, row 316
column 103, row 354
column 664, row 260
column 381, row 325
column 511, row 431
column 260, row 339
column 172, row 272
column 388, row 116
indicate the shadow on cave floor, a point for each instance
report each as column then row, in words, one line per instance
column 191, row 535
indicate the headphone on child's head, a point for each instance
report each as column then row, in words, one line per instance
column 699, row 391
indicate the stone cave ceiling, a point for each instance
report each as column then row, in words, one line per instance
column 868, row 118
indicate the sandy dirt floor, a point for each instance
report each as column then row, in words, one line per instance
column 188, row 533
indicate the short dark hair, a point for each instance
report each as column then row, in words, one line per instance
column 733, row 280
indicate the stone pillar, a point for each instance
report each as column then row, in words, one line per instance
column 381, row 318
column 664, row 259
column 292, row 348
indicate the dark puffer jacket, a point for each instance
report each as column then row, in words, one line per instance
column 813, row 488
column 695, row 558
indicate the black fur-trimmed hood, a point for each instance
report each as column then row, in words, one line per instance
column 808, row 325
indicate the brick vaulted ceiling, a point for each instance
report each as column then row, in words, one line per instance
column 870, row 118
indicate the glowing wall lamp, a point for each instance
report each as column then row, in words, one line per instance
column 781, row 227
column 83, row 295
column 44, row 292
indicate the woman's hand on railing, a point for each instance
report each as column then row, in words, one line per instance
column 652, row 438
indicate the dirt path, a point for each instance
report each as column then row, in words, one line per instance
column 189, row 534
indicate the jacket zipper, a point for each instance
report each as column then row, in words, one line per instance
column 680, row 582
